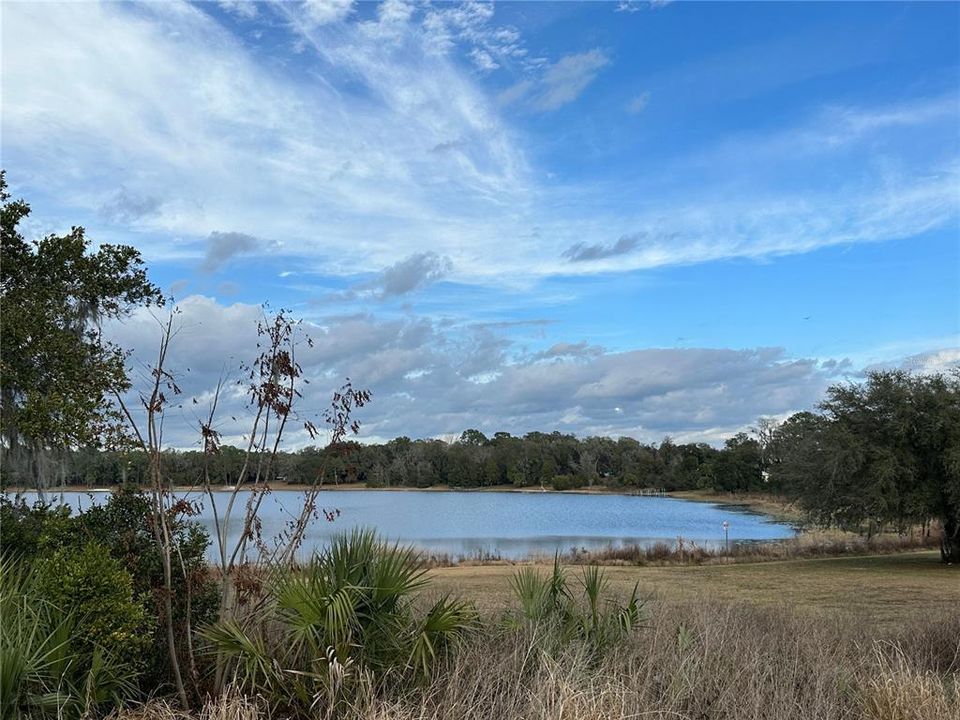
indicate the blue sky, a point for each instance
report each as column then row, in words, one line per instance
column 620, row 218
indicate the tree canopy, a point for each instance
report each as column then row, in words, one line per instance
column 56, row 368
column 882, row 452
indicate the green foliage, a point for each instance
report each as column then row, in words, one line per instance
column 739, row 467
column 122, row 527
column 46, row 668
column 57, row 369
column 593, row 619
column 349, row 612
column 100, row 593
column 883, row 452
column 23, row 525
column 557, row 460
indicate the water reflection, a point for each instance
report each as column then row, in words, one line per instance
column 505, row 524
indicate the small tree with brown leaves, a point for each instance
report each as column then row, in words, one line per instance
column 273, row 386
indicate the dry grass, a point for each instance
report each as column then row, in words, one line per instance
column 902, row 691
column 229, row 706
column 775, row 506
column 887, row 591
column 704, row 661
column 698, row 661
column 808, row 544
column 811, row 544
column 852, row 638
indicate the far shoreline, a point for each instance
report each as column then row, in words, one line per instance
column 772, row 506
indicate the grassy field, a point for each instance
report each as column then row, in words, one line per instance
column 888, row 589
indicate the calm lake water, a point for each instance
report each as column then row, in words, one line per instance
column 505, row 524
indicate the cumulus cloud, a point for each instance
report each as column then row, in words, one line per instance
column 582, row 349
column 560, row 83
column 222, row 246
column 581, row 252
column 429, row 379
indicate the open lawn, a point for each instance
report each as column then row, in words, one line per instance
column 889, row 590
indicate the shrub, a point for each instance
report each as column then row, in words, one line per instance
column 122, row 527
column 23, row 525
column 99, row 593
column 325, row 626
column 595, row 620
column 45, row 672
column 566, row 482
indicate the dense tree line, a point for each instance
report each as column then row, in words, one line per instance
column 881, row 454
column 550, row 460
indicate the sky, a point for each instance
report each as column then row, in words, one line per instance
column 628, row 218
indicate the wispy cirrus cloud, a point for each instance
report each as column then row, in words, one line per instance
column 559, row 84
column 409, row 161
column 581, row 252
column 323, row 12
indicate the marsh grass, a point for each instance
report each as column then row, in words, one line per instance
column 809, row 544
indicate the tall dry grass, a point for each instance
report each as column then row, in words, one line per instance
column 809, row 544
column 701, row 661
column 813, row 543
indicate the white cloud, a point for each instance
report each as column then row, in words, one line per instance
column 322, row 12
column 942, row 360
column 411, row 273
column 933, row 361
column 177, row 130
column 483, row 60
column 246, row 9
column 428, row 379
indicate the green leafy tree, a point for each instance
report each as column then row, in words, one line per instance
column 739, row 467
column 56, row 368
column 884, row 452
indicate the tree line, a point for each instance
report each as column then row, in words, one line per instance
column 554, row 460
column 883, row 453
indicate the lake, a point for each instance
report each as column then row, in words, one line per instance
column 507, row 524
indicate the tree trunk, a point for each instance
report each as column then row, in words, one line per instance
column 950, row 543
